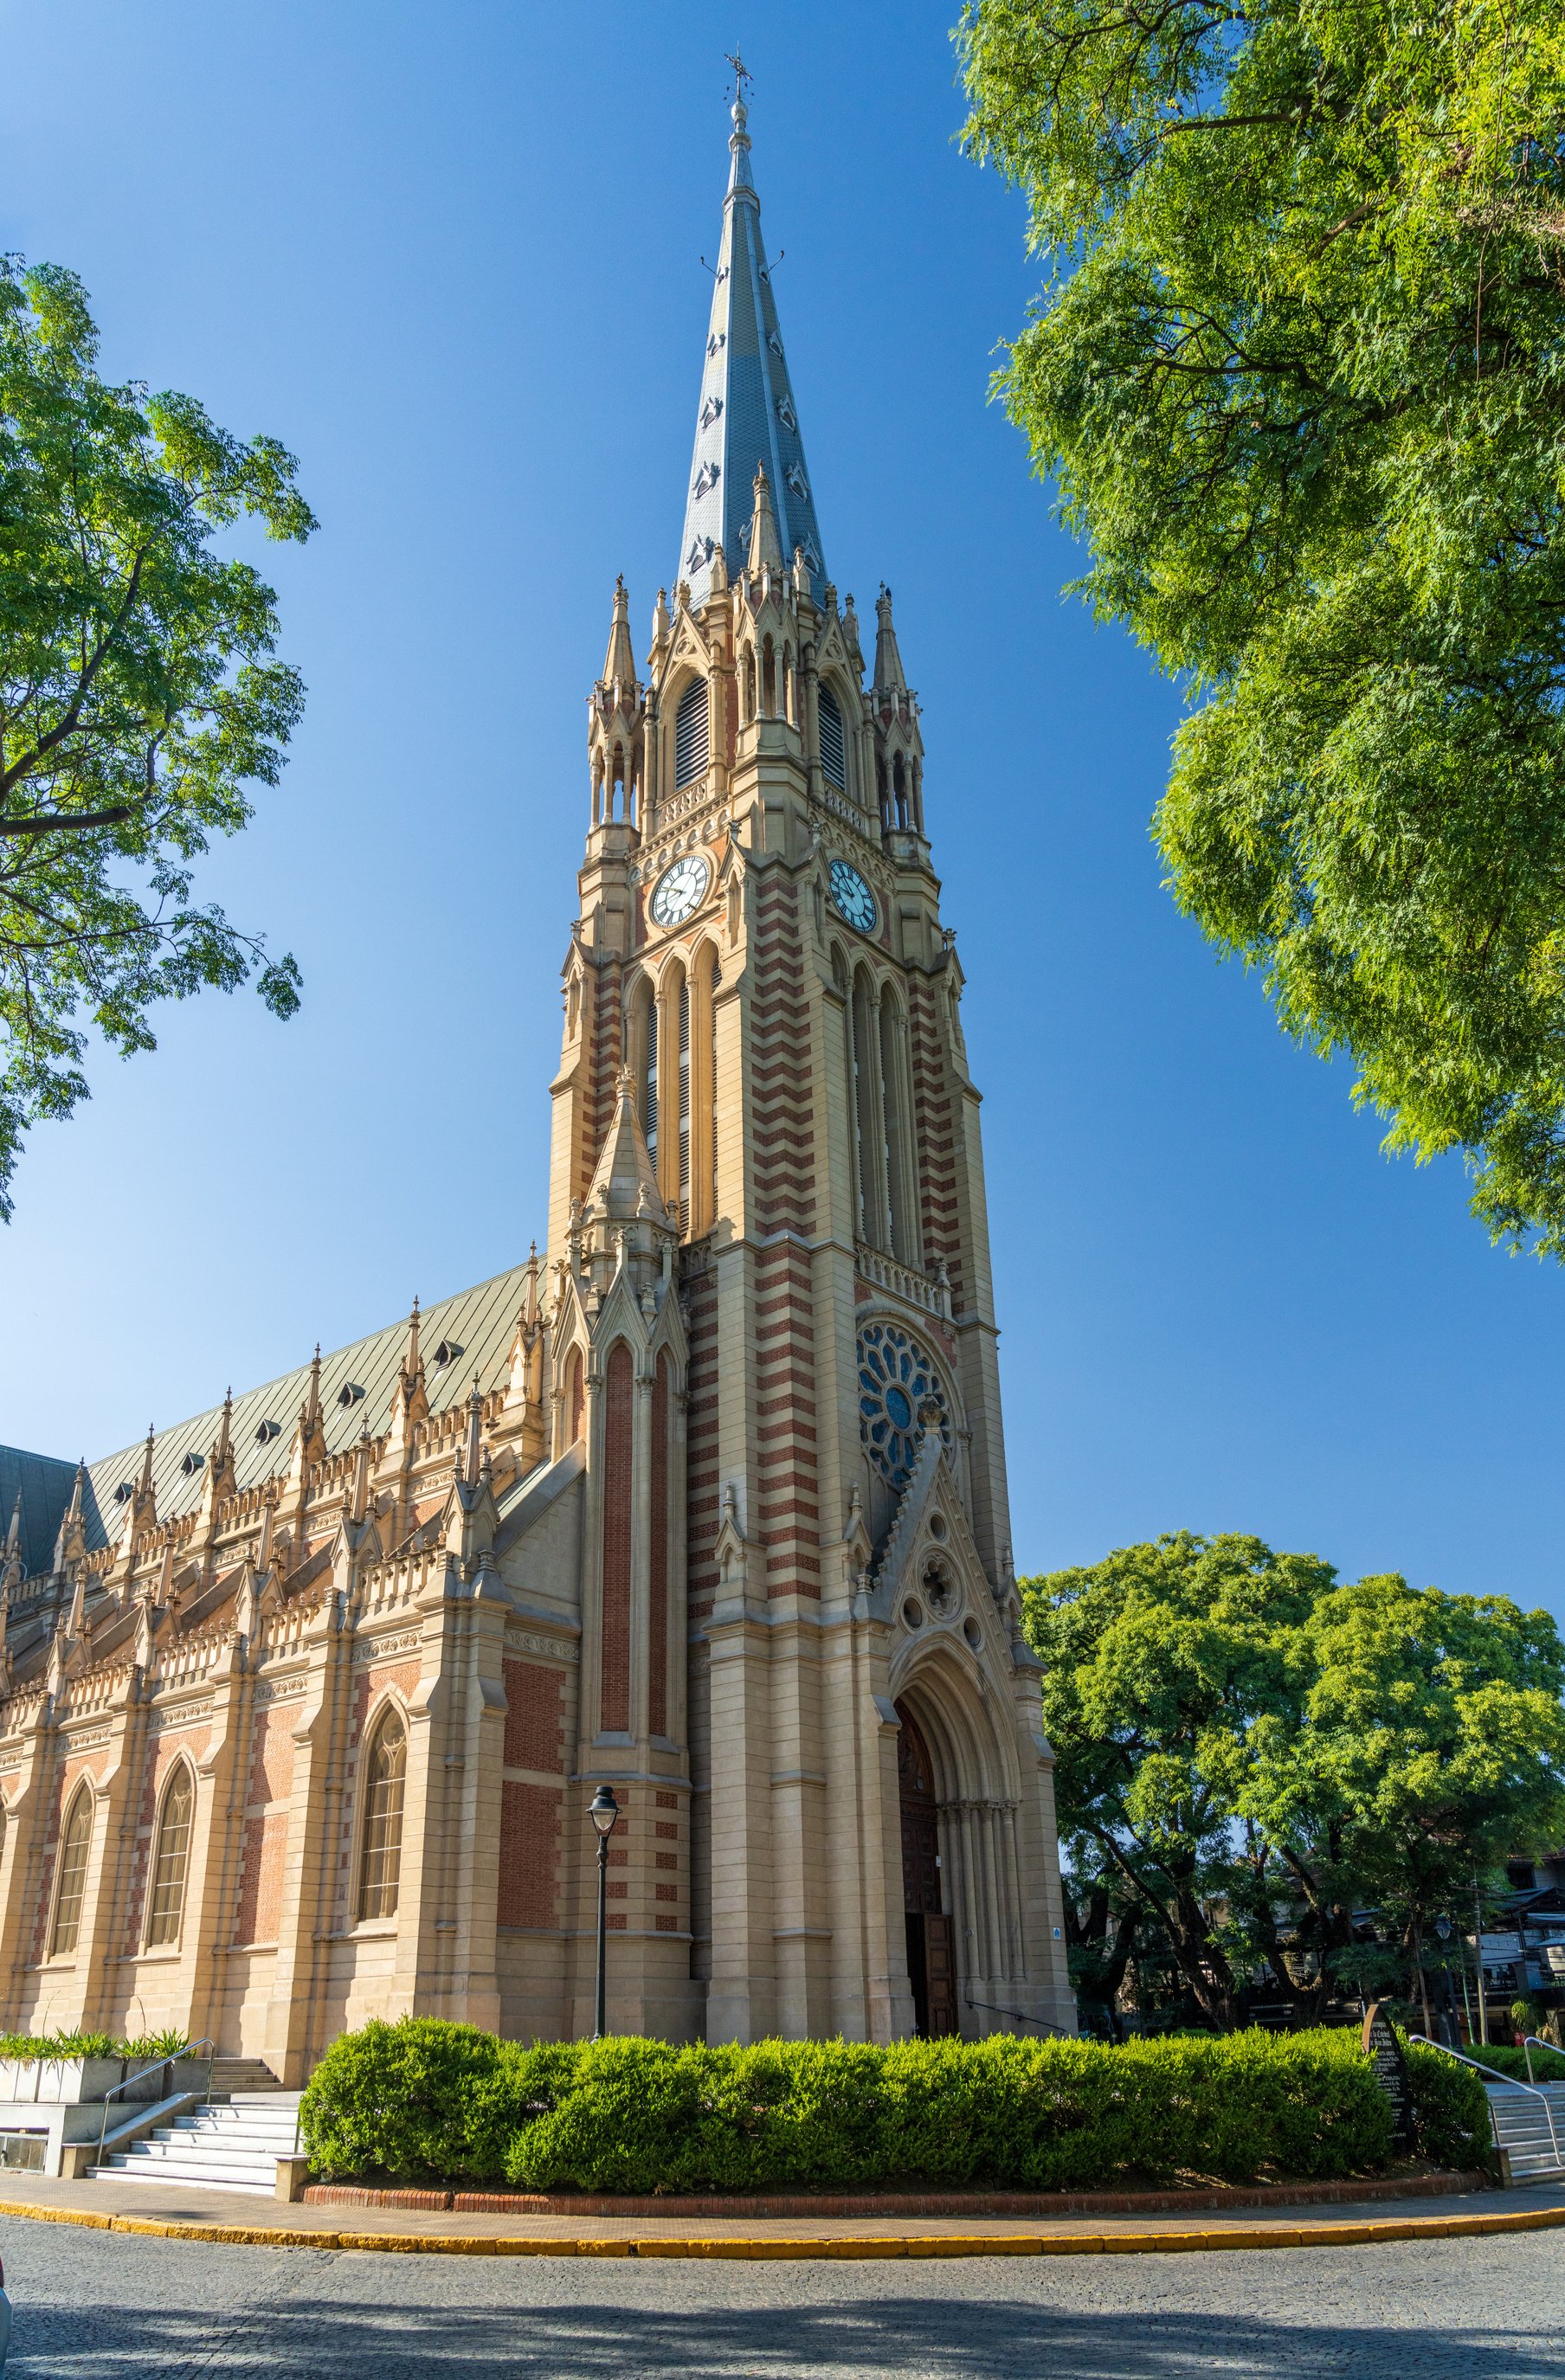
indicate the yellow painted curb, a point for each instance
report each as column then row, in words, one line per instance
column 849, row 2246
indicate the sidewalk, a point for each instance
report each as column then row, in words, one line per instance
column 222, row 2216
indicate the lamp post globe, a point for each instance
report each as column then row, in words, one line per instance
column 605, row 1813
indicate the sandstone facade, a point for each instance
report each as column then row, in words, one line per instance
column 301, row 1717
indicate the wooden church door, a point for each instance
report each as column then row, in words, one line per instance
column 932, row 1961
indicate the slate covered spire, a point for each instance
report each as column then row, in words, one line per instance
column 747, row 419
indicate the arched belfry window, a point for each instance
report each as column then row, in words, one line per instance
column 692, row 734
column 641, row 1050
column 75, row 1842
column 834, row 754
column 902, row 1203
column 379, row 1858
column 171, row 1859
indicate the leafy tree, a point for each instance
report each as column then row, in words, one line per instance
column 1434, row 1742
column 137, row 697
column 1297, row 372
column 1157, row 1661
column 1246, row 1750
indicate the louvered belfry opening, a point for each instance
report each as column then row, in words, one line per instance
column 833, row 752
column 692, row 735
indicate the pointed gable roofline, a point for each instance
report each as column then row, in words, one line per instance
column 747, row 419
column 357, row 1386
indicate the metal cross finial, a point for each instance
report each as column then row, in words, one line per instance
column 741, row 75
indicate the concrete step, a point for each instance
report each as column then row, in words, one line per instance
column 229, row 2074
column 131, row 2163
column 247, row 2188
column 224, row 2144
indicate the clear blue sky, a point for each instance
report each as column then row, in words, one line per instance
column 450, row 254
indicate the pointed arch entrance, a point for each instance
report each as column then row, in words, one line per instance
column 931, row 1965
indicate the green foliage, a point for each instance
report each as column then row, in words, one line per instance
column 1451, row 2113
column 421, row 2098
column 1167, row 1668
column 1297, row 373
column 424, row 2101
column 1549, row 2065
column 137, row 697
column 1435, row 1734
column 141, row 2047
column 1236, row 1733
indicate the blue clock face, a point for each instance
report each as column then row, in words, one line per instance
column 680, row 890
column 852, row 898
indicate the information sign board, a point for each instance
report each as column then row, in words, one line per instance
column 1383, row 2049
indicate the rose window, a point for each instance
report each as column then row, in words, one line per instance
column 900, row 1396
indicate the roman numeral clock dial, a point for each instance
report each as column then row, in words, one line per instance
column 852, row 898
column 680, row 890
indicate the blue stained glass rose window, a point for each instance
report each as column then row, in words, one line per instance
column 897, row 1379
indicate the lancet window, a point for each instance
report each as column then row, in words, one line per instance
column 379, row 1858
column 171, row 1859
column 642, row 1056
column 885, row 1166
column 75, row 1842
column 671, row 1048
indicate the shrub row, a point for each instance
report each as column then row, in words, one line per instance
column 1549, row 2065
column 426, row 2101
column 90, row 2044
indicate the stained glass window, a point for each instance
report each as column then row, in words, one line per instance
column 898, row 1384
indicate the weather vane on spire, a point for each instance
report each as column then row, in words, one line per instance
column 741, row 75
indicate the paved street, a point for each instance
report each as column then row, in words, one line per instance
column 94, row 2306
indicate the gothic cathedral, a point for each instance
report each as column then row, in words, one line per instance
column 302, row 1703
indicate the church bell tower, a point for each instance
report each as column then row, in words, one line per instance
column 772, row 1338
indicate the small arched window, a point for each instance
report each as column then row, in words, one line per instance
column 692, row 734
column 170, row 1861
column 575, row 1399
column 385, row 1777
column 76, row 1840
column 833, row 763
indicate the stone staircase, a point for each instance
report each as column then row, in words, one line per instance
column 232, row 2142
column 1522, row 2130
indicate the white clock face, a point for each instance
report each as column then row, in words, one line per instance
column 852, row 896
column 680, row 890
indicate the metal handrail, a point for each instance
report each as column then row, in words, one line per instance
column 1020, row 2017
column 150, row 2068
column 1508, row 2080
column 1531, row 2041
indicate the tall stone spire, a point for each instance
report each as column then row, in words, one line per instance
column 747, row 419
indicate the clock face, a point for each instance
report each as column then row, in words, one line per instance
column 853, row 897
column 680, row 890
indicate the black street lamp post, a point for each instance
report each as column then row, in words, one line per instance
column 605, row 1812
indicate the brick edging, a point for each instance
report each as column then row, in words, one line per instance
column 848, row 2249
column 981, row 2205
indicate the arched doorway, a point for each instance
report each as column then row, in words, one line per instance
column 931, row 1959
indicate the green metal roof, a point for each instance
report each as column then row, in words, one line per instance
column 43, row 1484
column 479, row 1321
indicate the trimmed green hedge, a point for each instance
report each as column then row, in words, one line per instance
column 426, row 2101
column 1451, row 2113
column 1549, row 2065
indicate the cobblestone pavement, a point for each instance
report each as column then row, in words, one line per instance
column 97, row 2306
